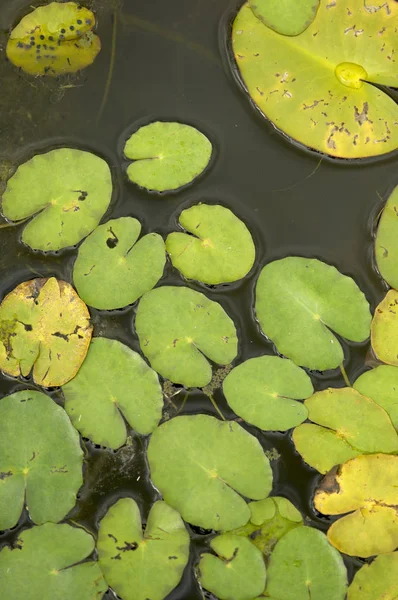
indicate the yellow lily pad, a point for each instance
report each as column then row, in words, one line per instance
column 384, row 329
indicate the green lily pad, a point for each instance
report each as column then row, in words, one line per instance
column 288, row 17
column 54, row 39
column 377, row 581
column 220, row 249
column 386, row 243
column 298, row 302
column 40, row 459
column 112, row 269
column 384, row 329
column 44, row 329
column 138, row 565
column 166, row 156
column 347, row 424
column 67, row 191
column 263, row 391
column 46, row 564
column 208, row 463
column 365, row 487
column 114, row 381
column 381, row 384
column 237, row 573
column 317, row 87
column 178, row 327
column 305, row 566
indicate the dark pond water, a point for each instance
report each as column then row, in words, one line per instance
column 169, row 64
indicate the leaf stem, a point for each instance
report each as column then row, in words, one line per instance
column 111, row 67
column 210, row 397
column 183, row 403
column 345, row 376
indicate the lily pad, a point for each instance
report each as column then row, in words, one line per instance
column 54, row 39
column 46, row 564
column 347, row 424
column 386, row 243
column 218, row 248
column 237, row 573
column 67, row 191
column 138, row 565
column 114, row 381
column 381, row 384
column 366, row 485
column 384, row 329
column 299, row 300
column 166, row 156
column 288, row 17
column 112, row 269
column 377, row 581
column 208, row 463
column 178, row 327
column 317, row 87
column 304, row 565
column 264, row 392
column 40, row 459
column 44, row 329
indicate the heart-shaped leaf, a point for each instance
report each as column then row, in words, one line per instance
column 288, row 17
column 347, row 424
column 263, row 391
column 138, row 565
column 377, row 581
column 366, row 485
column 317, row 87
column 381, row 384
column 177, row 327
column 45, row 563
column 301, row 299
column 238, row 573
column 44, row 328
column 384, row 329
column 40, row 459
column 67, row 191
column 218, row 248
column 386, row 243
column 166, row 156
column 207, row 465
column 113, row 382
column 112, row 269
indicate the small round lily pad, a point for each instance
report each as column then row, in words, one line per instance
column 384, row 330
column 166, row 156
column 386, row 243
column 377, row 581
column 381, row 384
column 218, row 247
column 288, row 17
column 112, row 269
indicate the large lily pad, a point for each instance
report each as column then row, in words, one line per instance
column 377, row 581
column 298, row 302
column 44, row 329
column 384, row 330
column 264, row 392
column 67, row 191
column 166, row 156
column 208, row 463
column 45, row 564
column 138, row 565
column 366, row 485
column 218, row 248
column 178, row 327
column 54, row 39
column 386, row 243
column 317, row 87
column 113, row 382
column 40, row 459
column 112, row 269
column 347, row 424
column 288, row 17
column 305, row 566
column 237, row 573
column 381, row 384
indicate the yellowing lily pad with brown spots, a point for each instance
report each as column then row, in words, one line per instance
column 384, row 329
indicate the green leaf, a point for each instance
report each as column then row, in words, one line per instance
column 44, row 328
column 239, row 573
column 263, row 391
column 178, row 327
column 288, row 17
column 367, row 486
column 67, row 191
column 377, row 581
column 208, row 463
column 301, row 299
column 54, row 39
column 166, row 155
column 113, row 382
column 384, row 329
column 40, row 459
column 386, row 243
column 381, row 384
column 304, row 565
column 46, row 564
column 317, row 87
column 112, row 269
column 141, row 566
column 220, row 249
